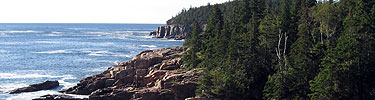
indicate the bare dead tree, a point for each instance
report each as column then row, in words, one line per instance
column 281, row 53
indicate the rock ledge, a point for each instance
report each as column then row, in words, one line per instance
column 36, row 87
column 150, row 75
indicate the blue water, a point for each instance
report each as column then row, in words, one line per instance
column 33, row 53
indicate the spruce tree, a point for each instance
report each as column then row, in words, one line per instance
column 277, row 85
column 191, row 58
column 214, row 50
column 303, row 69
column 347, row 70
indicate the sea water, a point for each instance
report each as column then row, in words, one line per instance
column 34, row 53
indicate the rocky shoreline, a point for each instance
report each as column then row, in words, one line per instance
column 150, row 75
column 177, row 32
column 36, row 87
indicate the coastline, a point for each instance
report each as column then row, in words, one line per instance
column 73, row 58
column 150, row 74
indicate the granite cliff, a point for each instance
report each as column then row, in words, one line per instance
column 176, row 32
column 150, row 75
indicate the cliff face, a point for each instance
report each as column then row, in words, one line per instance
column 151, row 75
column 176, row 32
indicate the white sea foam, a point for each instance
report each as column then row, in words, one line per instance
column 15, row 31
column 105, row 53
column 3, row 51
column 116, row 62
column 134, row 31
column 5, row 87
column 102, row 33
column 46, row 42
column 24, row 76
column 148, row 46
column 32, row 95
column 97, row 53
column 146, row 36
column 65, row 84
column 55, row 32
column 52, row 35
column 12, row 43
column 122, row 55
column 80, row 28
column 54, row 51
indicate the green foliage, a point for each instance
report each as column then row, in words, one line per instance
column 190, row 57
column 347, row 69
column 200, row 14
column 328, row 16
column 283, row 49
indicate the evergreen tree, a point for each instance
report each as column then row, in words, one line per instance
column 277, row 85
column 210, row 38
column 190, row 57
column 254, row 48
column 215, row 39
column 347, row 70
column 303, row 69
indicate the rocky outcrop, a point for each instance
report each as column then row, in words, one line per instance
column 150, row 75
column 176, row 32
column 58, row 97
column 36, row 87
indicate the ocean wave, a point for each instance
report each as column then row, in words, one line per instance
column 5, row 87
column 52, row 35
column 105, row 53
column 97, row 53
column 80, row 28
column 46, row 42
column 55, row 32
column 122, row 55
column 31, row 95
column 148, row 46
column 146, row 36
column 3, row 51
column 65, row 84
column 27, row 43
column 101, row 33
column 121, row 32
column 12, row 43
column 15, row 31
column 54, row 51
column 24, row 76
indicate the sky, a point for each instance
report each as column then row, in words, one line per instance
column 94, row 11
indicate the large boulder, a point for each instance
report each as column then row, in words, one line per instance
column 36, row 87
column 150, row 75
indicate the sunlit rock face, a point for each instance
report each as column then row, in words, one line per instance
column 176, row 32
column 151, row 75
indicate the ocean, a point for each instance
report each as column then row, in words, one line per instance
column 33, row 53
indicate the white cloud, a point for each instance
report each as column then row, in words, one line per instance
column 94, row 11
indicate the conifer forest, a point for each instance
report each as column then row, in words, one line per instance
column 283, row 49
